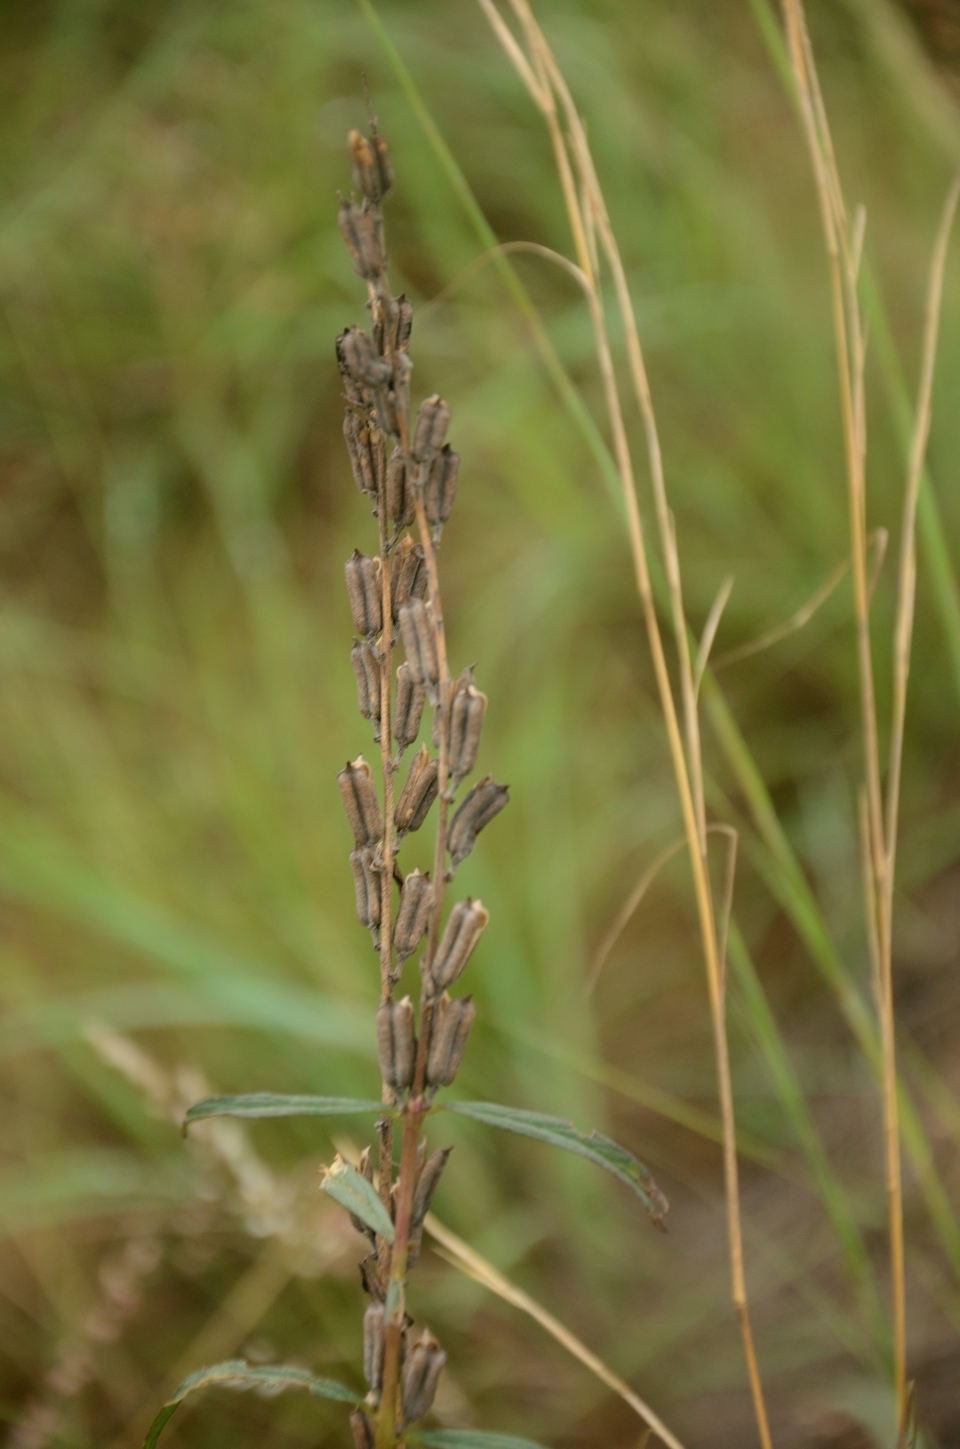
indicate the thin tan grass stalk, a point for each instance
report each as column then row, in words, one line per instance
column 469, row 1262
column 878, row 826
column 544, row 80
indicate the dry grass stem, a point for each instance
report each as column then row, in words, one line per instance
column 545, row 82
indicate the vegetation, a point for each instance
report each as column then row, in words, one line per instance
column 177, row 509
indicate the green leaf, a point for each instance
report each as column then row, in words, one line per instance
column 275, row 1104
column 472, row 1439
column 558, row 1133
column 239, row 1375
column 352, row 1191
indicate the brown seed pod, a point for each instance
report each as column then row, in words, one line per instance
column 396, row 1042
column 420, row 643
column 431, row 428
column 361, row 1426
column 370, row 1278
column 361, row 233
column 366, row 885
column 421, row 1375
column 362, row 574
column 366, row 667
column 418, row 793
column 452, row 1021
column 408, row 708
column 440, row 488
column 367, row 453
column 427, row 1185
column 413, row 915
column 388, row 411
column 393, row 325
column 409, row 578
column 477, row 809
column 373, row 1349
column 400, row 506
column 360, row 801
column 372, row 171
column 463, row 930
column 361, row 362
column 466, row 721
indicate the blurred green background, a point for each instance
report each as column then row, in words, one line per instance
column 176, row 698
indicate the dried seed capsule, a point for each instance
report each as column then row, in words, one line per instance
column 396, row 1042
column 362, row 574
column 361, row 233
column 409, row 577
column 372, row 171
column 452, row 1021
column 373, row 1346
column 413, row 915
column 393, row 325
column 466, row 721
column 366, row 885
column 427, row 1184
column 399, row 496
column 477, row 809
column 420, row 643
column 367, row 453
column 359, row 359
column 440, row 488
column 418, row 793
column 360, row 801
column 464, row 929
column 408, row 709
column 366, row 667
column 370, row 1278
column 421, row 1374
column 432, row 422
column 361, row 1426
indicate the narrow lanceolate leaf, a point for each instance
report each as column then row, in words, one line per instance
column 275, row 1104
column 558, row 1133
column 352, row 1191
column 239, row 1375
column 470, row 1439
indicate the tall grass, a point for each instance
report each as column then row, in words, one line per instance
column 175, row 511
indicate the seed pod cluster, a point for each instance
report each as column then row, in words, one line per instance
column 412, row 494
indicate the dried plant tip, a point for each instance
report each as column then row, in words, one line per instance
column 421, row 1374
column 373, row 1346
column 366, row 885
column 452, row 1021
column 427, row 1185
column 408, row 708
column 359, row 359
column 362, row 574
column 464, row 929
column 400, row 507
column 413, row 916
column 360, row 232
column 477, row 809
column 466, row 721
column 432, row 422
column 393, row 325
column 420, row 643
column 360, row 801
column 418, row 793
column 409, row 577
column 367, row 453
column 396, row 1042
column 372, row 171
column 361, row 1426
column 366, row 667
column 440, row 489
